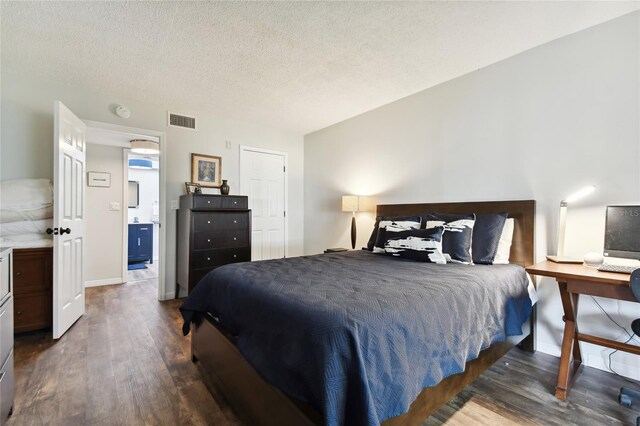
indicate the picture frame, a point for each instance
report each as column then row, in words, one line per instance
column 206, row 170
column 193, row 188
column 102, row 179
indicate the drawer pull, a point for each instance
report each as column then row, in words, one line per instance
column 208, row 221
column 208, row 240
column 144, row 229
column 235, row 221
column 18, row 274
column 208, row 258
column 208, row 202
column 235, row 255
column 234, row 238
column 18, row 312
column 235, row 202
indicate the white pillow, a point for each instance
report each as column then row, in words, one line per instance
column 504, row 246
column 25, row 194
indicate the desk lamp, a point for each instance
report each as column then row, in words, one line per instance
column 353, row 204
column 562, row 222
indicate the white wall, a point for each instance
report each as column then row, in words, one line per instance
column 535, row 126
column 27, row 147
column 103, row 226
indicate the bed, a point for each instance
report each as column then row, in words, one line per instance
column 353, row 382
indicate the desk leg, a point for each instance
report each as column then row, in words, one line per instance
column 570, row 345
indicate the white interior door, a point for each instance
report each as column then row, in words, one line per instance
column 262, row 178
column 69, row 152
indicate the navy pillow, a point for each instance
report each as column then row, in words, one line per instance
column 374, row 235
column 458, row 234
column 486, row 237
column 424, row 245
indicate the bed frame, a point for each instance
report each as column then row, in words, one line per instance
column 228, row 374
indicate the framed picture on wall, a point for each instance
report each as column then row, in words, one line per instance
column 206, row 170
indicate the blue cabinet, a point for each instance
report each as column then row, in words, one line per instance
column 140, row 242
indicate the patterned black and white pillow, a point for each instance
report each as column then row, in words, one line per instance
column 398, row 219
column 458, row 234
column 424, row 245
column 404, row 223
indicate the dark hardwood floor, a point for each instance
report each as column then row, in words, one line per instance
column 126, row 363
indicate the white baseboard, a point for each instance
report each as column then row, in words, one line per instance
column 597, row 357
column 108, row 281
column 170, row 295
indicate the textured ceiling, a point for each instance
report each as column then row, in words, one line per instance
column 295, row 66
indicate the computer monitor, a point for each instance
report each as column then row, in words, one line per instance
column 622, row 232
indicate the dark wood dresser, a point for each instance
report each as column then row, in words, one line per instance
column 213, row 230
column 32, row 289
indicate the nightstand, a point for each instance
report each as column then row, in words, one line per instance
column 335, row 250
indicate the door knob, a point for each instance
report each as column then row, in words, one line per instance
column 65, row 231
column 53, row 231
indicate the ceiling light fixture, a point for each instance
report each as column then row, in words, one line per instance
column 144, row 146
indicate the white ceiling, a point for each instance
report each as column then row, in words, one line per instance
column 295, row 66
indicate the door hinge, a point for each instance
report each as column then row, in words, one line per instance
column 285, row 213
column 284, row 169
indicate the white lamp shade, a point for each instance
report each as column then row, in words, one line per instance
column 357, row 203
column 144, row 146
column 349, row 203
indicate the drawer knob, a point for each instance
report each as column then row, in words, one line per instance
column 235, row 221
column 208, row 240
column 235, row 202
column 208, row 258
column 208, row 202
column 208, row 221
column 18, row 274
column 234, row 238
column 235, row 255
column 18, row 312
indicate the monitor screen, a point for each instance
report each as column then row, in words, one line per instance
column 622, row 232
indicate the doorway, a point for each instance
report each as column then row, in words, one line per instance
column 263, row 178
column 146, row 185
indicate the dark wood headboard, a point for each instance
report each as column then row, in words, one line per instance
column 523, row 211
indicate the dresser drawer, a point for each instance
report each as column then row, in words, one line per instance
column 30, row 274
column 231, row 202
column 6, row 388
column 207, row 202
column 203, row 221
column 6, row 329
column 218, row 257
column 220, row 239
column 32, row 312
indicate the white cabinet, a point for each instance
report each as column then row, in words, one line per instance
column 6, row 334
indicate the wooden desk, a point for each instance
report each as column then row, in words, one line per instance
column 574, row 280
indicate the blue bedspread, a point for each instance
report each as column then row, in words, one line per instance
column 359, row 335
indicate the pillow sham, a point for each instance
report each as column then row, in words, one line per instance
column 408, row 222
column 424, row 245
column 487, row 231
column 504, row 246
column 458, row 234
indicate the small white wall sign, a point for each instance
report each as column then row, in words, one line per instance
column 99, row 179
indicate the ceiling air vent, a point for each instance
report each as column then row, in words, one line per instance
column 183, row 121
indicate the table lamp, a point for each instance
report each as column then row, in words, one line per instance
column 562, row 222
column 353, row 204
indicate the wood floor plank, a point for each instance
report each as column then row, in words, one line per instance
column 125, row 362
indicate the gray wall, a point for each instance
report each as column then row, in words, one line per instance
column 103, row 226
column 537, row 126
column 27, row 144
